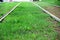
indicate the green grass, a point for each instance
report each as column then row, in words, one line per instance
column 57, row 3
column 49, row 1
column 45, row 4
column 53, row 2
column 6, row 7
column 27, row 22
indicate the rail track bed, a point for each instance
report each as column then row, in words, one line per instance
column 28, row 21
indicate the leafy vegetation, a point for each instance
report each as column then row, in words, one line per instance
column 27, row 22
column 55, row 2
column 5, row 7
column 49, row 1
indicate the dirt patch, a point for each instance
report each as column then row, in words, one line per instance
column 58, row 31
column 54, row 10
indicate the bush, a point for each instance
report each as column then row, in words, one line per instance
column 58, row 2
column 49, row 1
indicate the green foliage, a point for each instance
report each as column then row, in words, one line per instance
column 49, row 1
column 58, row 2
column 27, row 22
column 55, row 2
column 6, row 7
